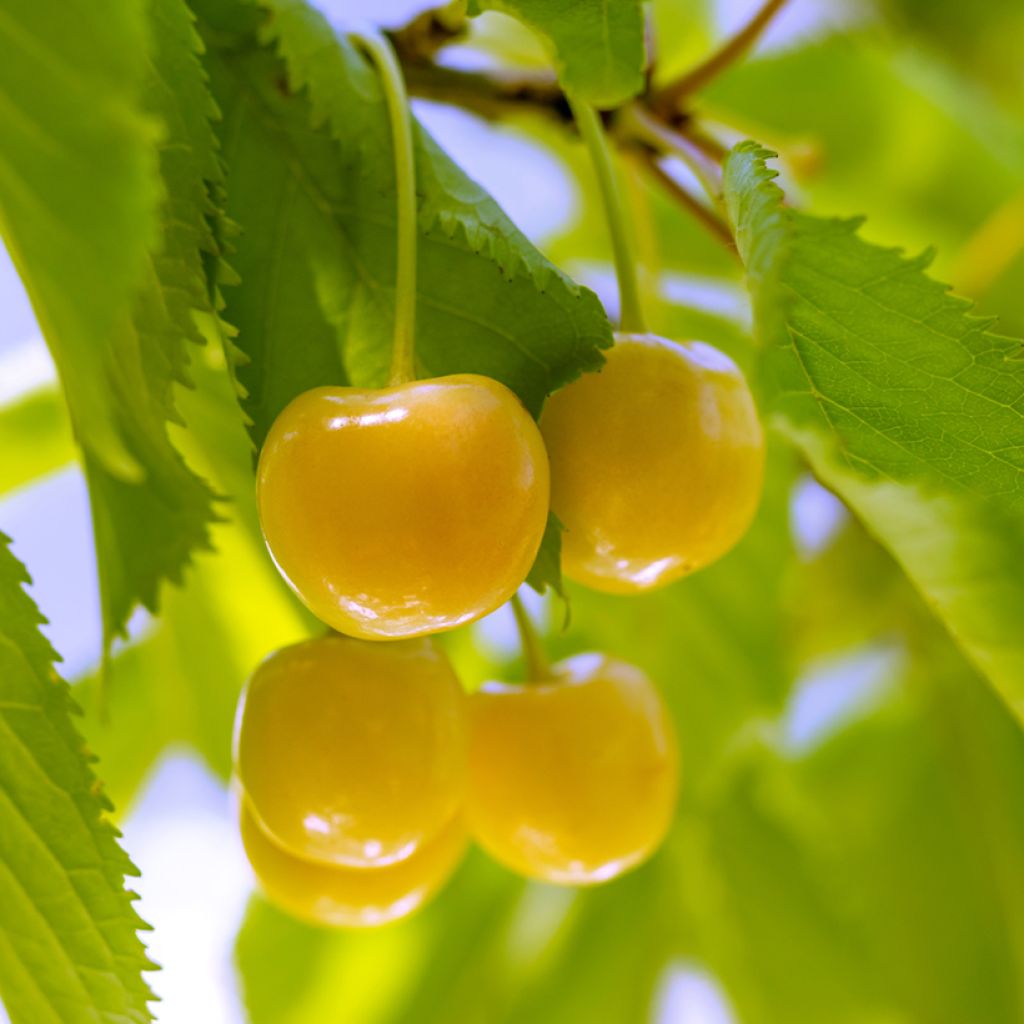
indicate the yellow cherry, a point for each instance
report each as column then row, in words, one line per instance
column 572, row 780
column 353, row 753
column 351, row 897
column 656, row 463
column 408, row 510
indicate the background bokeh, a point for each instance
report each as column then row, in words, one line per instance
column 910, row 111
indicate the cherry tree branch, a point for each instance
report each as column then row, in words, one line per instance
column 654, row 125
column 670, row 98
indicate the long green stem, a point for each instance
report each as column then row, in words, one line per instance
column 631, row 317
column 403, row 350
column 538, row 668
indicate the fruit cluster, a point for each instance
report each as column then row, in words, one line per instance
column 413, row 509
column 405, row 511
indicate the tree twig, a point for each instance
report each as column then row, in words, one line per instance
column 494, row 95
column 705, row 216
column 652, row 126
column 641, row 125
column 668, row 100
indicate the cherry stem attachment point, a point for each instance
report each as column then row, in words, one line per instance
column 631, row 317
column 538, row 668
column 382, row 56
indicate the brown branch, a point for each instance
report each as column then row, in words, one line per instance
column 494, row 95
column 419, row 41
column 640, row 128
column 641, row 125
column 704, row 215
column 667, row 101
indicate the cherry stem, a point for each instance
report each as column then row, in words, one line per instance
column 538, row 668
column 403, row 348
column 631, row 317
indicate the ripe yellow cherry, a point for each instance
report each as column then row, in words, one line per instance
column 572, row 780
column 656, row 463
column 407, row 510
column 353, row 753
column 351, row 897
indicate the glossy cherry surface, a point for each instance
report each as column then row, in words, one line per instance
column 351, row 897
column 407, row 510
column 656, row 463
column 572, row 780
column 350, row 752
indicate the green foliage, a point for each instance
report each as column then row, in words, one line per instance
column 311, row 182
column 78, row 195
column 69, row 951
column 146, row 530
column 910, row 408
column 868, row 873
column 106, row 218
column 598, row 45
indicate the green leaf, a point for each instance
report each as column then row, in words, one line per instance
column 146, row 531
column 597, row 45
column 310, row 180
column 69, row 951
column 547, row 566
column 78, row 195
column 908, row 407
column 178, row 685
column 115, row 268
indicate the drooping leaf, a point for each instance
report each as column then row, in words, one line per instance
column 908, row 407
column 69, row 951
column 108, row 218
column 178, row 684
column 311, row 183
column 147, row 531
column 78, row 195
column 598, row 45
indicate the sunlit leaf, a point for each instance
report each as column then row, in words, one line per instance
column 908, row 407
column 598, row 45
column 69, row 951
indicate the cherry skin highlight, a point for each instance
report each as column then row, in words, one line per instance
column 657, row 463
column 572, row 780
column 351, row 897
column 353, row 753
column 407, row 510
